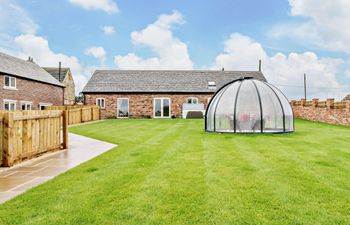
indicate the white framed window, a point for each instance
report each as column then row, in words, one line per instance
column 101, row 102
column 212, row 85
column 9, row 82
column 161, row 108
column 42, row 105
column 26, row 105
column 10, row 105
column 192, row 100
column 122, row 108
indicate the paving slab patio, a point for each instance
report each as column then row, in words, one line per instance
column 20, row 178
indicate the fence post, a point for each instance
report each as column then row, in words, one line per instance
column 8, row 138
column 330, row 103
column 81, row 116
column 1, row 138
column 65, row 129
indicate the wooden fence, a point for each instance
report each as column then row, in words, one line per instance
column 79, row 114
column 26, row 134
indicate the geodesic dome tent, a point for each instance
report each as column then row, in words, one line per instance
column 247, row 105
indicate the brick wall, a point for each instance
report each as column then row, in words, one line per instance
column 31, row 91
column 141, row 105
column 327, row 111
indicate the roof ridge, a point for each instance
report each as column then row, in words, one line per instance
column 55, row 67
column 168, row 70
column 161, row 80
column 25, row 69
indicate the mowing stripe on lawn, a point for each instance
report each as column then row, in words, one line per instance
column 165, row 189
column 300, row 179
column 170, row 171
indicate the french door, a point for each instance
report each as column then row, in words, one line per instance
column 123, row 108
column 161, row 108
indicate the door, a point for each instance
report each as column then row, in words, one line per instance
column 123, row 108
column 161, row 108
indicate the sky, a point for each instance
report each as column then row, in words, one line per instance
column 291, row 37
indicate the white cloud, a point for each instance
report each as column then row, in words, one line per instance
column 14, row 20
column 108, row 30
column 108, row 6
column 96, row 52
column 325, row 24
column 38, row 48
column 18, row 38
column 243, row 53
column 347, row 73
column 132, row 61
column 171, row 52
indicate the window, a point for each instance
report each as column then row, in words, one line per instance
column 192, row 100
column 10, row 82
column 42, row 105
column 26, row 106
column 9, row 105
column 161, row 108
column 212, row 85
column 123, row 108
column 101, row 102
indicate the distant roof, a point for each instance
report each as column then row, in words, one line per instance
column 163, row 80
column 54, row 71
column 346, row 97
column 26, row 69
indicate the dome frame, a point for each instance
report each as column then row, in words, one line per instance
column 220, row 92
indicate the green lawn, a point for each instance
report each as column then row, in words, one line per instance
column 172, row 172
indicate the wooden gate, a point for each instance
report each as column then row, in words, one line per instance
column 27, row 134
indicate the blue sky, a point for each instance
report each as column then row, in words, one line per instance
column 291, row 37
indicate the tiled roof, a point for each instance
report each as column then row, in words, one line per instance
column 54, row 71
column 163, row 80
column 25, row 69
column 347, row 97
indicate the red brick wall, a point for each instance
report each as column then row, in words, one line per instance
column 328, row 112
column 31, row 91
column 141, row 105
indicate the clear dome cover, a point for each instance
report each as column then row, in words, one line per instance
column 249, row 106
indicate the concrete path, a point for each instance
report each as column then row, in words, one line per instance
column 18, row 179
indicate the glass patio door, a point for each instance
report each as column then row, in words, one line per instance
column 123, row 108
column 162, row 108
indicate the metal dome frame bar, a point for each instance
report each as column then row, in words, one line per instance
column 235, row 107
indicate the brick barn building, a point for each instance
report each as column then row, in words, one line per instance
column 26, row 86
column 156, row 93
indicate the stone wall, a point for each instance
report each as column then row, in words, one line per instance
column 327, row 111
column 69, row 90
column 30, row 91
column 141, row 105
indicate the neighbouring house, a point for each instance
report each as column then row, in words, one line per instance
column 64, row 75
column 346, row 97
column 156, row 94
column 25, row 86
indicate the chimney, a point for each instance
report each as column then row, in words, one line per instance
column 59, row 71
column 223, row 69
column 259, row 65
column 30, row 59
